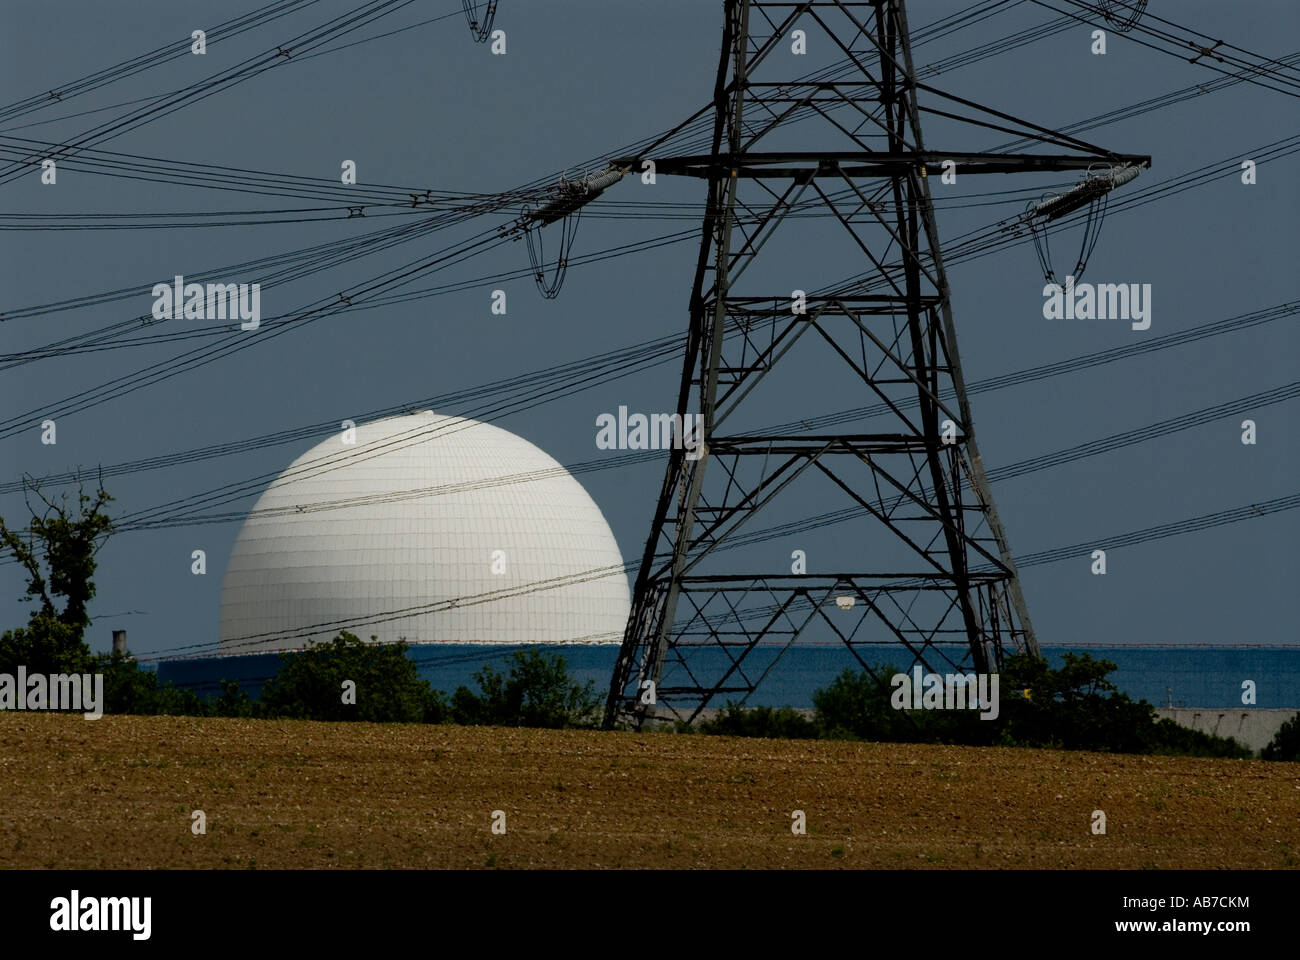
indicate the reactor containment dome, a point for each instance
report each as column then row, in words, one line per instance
column 426, row 528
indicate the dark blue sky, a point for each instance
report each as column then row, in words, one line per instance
column 426, row 107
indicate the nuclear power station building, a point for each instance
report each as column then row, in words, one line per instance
column 428, row 529
column 423, row 528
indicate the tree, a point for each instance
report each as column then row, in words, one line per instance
column 538, row 692
column 1285, row 744
column 58, row 554
column 380, row 680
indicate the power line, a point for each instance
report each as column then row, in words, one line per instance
column 1205, row 55
column 146, row 61
column 150, row 519
column 1054, row 555
column 200, row 356
column 201, row 90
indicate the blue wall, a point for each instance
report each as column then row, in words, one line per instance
column 1194, row 677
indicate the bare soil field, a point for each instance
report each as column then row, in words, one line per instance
column 119, row 793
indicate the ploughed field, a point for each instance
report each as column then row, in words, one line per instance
column 120, row 792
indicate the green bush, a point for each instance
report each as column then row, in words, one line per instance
column 784, row 723
column 310, row 684
column 1077, row 708
column 1173, row 738
column 856, row 707
column 1285, row 744
column 537, row 692
column 129, row 688
column 1074, row 707
column 234, row 702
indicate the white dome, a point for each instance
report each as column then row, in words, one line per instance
column 410, row 517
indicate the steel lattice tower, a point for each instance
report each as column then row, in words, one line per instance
column 936, row 565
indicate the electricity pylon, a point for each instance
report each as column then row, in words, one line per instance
column 934, row 566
